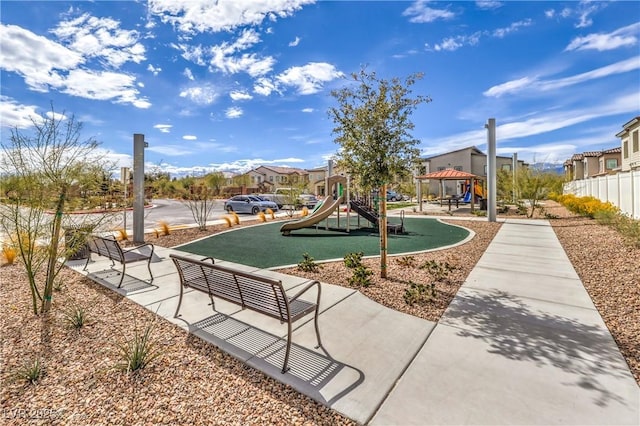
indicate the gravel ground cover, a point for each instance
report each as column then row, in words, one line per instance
column 193, row 382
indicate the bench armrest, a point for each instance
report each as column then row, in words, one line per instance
column 208, row 258
column 137, row 247
column 310, row 284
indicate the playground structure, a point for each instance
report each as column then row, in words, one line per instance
column 339, row 186
column 478, row 191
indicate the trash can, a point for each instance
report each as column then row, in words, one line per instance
column 75, row 241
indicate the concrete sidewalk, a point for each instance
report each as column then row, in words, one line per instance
column 521, row 343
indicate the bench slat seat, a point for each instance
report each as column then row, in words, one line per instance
column 248, row 290
column 108, row 247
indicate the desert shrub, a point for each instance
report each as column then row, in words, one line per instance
column 419, row 294
column 308, row 264
column 236, row 218
column 271, row 213
column 75, row 316
column 31, row 371
column 438, row 270
column 407, row 261
column 228, row 221
column 9, row 254
column 361, row 276
column 353, row 260
column 138, row 352
column 122, row 234
column 262, row 217
column 164, row 227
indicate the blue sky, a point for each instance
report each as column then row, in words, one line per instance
column 233, row 84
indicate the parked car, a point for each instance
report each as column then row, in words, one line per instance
column 248, row 204
column 394, row 196
column 308, row 200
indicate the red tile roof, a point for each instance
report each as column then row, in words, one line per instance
column 447, row 174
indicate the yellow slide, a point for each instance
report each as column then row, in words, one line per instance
column 320, row 213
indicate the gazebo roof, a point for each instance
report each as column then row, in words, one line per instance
column 448, row 174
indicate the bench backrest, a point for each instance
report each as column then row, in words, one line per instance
column 251, row 291
column 107, row 247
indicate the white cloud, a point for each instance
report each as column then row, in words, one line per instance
column 104, row 85
column 295, row 42
column 456, row 42
column 46, row 65
column 169, row 150
column 538, row 124
column 263, row 86
column 515, row 26
column 488, row 4
column 192, row 16
column 227, row 57
column 101, row 38
column 189, row 137
column 419, row 12
column 238, row 95
column 509, row 87
column 164, row 128
column 307, row 110
column 582, row 12
column 233, row 112
column 535, row 85
column 13, row 114
column 187, row 73
column 622, row 37
column 201, row 95
column 308, row 79
column 154, row 70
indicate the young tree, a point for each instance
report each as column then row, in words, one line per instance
column 45, row 166
column 531, row 185
column 199, row 199
column 215, row 181
column 372, row 127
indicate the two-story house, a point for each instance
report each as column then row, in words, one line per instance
column 470, row 160
column 630, row 144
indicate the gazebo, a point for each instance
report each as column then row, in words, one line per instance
column 449, row 174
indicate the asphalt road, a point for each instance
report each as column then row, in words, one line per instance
column 171, row 211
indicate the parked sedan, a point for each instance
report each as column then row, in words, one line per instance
column 248, row 204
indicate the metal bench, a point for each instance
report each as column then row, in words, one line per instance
column 248, row 290
column 109, row 248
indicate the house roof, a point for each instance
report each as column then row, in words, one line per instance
column 591, row 154
column 616, row 150
column 473, row 149
column 577, row 157
column 448, row 174
column 284, row 170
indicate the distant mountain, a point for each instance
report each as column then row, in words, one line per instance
column 548, row 167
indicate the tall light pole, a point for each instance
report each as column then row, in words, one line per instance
column 124, row 177
column 491, row 169
column 138, row 187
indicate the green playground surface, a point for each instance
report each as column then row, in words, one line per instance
column 263, row 246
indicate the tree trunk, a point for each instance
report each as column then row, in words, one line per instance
column 53, row 251
column 382, row 228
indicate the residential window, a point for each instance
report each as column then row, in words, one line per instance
column 636, row 148
column 625, row 149
column 458, row 168
column 506, row 167
column 612, row 163
column 441, row 168
column 485, row 169
column 270, row 178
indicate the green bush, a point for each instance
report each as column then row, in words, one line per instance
column 361, row 276
column 138, row 352
column 408, row 261
column 353, row 260
column 438, row 270
column 308, row 264
column 419, row 294
column 31, row 371
column 75, row 316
